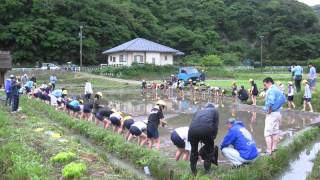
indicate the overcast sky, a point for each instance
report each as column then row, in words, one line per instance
column 310, row 2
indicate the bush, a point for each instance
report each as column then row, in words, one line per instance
column 211, row 60
column 316, row 63
column 231, row 59
column 63, row 157
column 73, row 170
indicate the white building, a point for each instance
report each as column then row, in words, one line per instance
column 141, row 51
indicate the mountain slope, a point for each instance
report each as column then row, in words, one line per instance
column 47, row 30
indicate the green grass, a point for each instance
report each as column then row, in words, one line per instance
column 63, row 157
column 74, row 170
column 315, row 173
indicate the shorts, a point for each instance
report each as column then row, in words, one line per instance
column 75, row 109
column 152, row 132
column 307, row 99
column 86, row 110
column 272, row 124
column 127, row 124
column 99, row 116
column 290, row 98
column 115, row 121
column 68, row 106
column 28, row 89
column 312, row 82
column 135, row 131
column 177, row 141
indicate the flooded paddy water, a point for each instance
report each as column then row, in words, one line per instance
column 179, row 113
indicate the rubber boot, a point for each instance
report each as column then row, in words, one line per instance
column 193, row 164
column 207, row 165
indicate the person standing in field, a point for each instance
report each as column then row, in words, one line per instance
column 291, row 96
column 312, row 77
column 53, row 80
column 297, row 76
column 307, row 96
column 8, row 89
column 15, row 89
column 202, row 76
column 254, row 92
column 273, row 104
column 88, row 90
column 203, row 128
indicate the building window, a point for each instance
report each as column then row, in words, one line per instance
column 121, row 58
column 153, row 60
column 110, row 59
column 138, row 59
column 114, row 59
column 165, row 58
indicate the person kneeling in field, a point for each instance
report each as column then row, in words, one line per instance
column 137, row 130
column 73, row 107
column 103, row 115
column 244, row 147
column 179, row 138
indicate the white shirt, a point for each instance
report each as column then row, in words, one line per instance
column 117, row 115
column 183, row 133
column 88, row 88
column 140, row 125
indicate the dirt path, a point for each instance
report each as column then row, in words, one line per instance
column 133, row 82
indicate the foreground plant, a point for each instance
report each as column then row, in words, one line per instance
column 73, row 170
column 63, row 157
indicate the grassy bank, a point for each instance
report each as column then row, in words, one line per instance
column 315, row 173
column 18, row 160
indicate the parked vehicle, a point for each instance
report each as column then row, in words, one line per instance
column 186, row 73
column 49, row 66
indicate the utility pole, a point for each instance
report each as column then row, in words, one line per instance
column 261, row 46
column 80, row 34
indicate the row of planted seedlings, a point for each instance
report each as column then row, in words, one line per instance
column 60, row 153
column 162, row 168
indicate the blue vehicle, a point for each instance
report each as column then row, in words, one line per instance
column 186, row 73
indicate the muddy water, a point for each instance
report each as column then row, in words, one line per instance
column 179, row 113
column 302, row 166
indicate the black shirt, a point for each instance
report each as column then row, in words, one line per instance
column 154, row 118
column 106, row 112
column 205, row 120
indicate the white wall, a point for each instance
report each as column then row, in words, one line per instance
column 159, row 59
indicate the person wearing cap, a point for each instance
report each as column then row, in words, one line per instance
column 127, row 122
column 273, row 103
column 137, row 129
column 203, row 128
column 155, row 119
column 254, row 92
column 8, row 90
column 307, row 96
column 86, row 110
column 179, row 138
column 116, row 120
column 291, row 95
column 244, row 148
column 53, row 80
column 312, row 76
column 88, row 90
column 243, row 94
column 64, row 92
column 103, row 115
column 74, row 107
column 15, row 90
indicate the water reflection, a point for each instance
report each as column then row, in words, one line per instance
column 180, row 109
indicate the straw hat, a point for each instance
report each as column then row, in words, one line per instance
column 161, row 103
column 304, row 81
column 250, row 80
column 99, row 94
column 290, row 82
column 81, row 101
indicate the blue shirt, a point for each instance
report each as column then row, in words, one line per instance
column 274, row 99
column 29, row 84
column 241, row 139
column 312, row 73
column 57, row 93
column 74, row 103
column 297, row 71
column 53, row 79
column 7, row 85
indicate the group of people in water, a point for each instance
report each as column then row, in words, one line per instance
column 238, row 145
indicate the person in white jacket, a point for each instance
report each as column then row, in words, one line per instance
column 88, row 90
